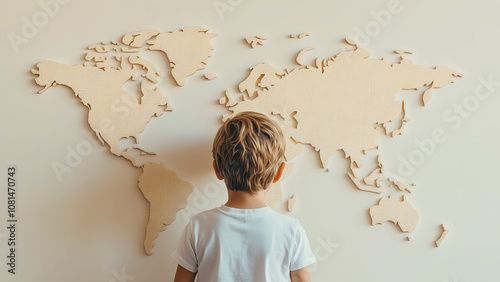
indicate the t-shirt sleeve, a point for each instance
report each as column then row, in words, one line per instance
column 184, row 252
column 302, row 254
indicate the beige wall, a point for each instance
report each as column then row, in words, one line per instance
column 90, row 225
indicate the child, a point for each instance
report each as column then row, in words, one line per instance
column 245, row 240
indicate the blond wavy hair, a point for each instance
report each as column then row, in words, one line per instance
column 248, row 150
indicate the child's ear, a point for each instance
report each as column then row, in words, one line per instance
column 217, row 172
column 279, row 172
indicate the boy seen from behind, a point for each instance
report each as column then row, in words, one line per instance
column 244, row 240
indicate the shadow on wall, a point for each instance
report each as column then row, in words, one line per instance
column 189, row 161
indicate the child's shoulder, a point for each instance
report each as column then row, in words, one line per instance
column 263, row 215
column 204, row 215
column 284, row 218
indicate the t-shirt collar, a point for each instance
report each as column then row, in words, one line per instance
column 256, row 211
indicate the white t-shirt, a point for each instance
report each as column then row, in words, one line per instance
column 231, row 245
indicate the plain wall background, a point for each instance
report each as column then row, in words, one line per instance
column 90, row 226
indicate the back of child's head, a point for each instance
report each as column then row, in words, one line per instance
column 248, row 150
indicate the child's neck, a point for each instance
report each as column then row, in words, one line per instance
column 246, row 200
